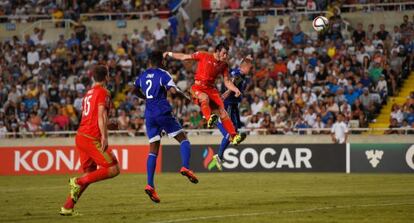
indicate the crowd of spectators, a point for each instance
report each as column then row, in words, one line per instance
column 316, row 5
column 19, row 10
column 296, row 81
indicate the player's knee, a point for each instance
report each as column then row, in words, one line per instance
column 89, row 169
column 203, row 98
column 181, row 137
column 223, row 113
column 114, row 171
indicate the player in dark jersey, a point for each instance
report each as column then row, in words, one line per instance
column 153, row 85
column 231, row 103
column 92, row 141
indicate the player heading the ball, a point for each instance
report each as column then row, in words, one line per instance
column 204, row 91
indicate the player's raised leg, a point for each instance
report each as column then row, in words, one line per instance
column 204, row 103
column 227, row 123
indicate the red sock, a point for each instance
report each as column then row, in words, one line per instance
column 205, row 109
column 95, row 176
column 69, row 204
column 228, row 126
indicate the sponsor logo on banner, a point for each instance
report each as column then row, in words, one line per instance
column 272, row 157
column 268, row 158
column 374, row 157
column 208, row 161
column 64, row 159
column 382, row 158
column 409, row 157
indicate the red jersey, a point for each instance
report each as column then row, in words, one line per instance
column 208, row 67
column 96, row 96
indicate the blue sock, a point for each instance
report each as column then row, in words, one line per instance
column 223, row 146
column 225, row 142
column 222, row 129
column 185, row 149
column 151, row 164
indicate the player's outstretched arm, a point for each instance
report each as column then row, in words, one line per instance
column 178, row 92
column 103, row 126
column 177, row 56
column 229, row 85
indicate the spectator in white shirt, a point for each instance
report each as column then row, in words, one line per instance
column 32, row 56
column 41, row 41
column 255, row 44
column 369, row 47
column 381, row 87
column 159, row 33
column 291, row 65
column 257, row 105
column 310, row 117
column 136, row 35
column 126, row 64
column 310, row 74
column 318, row 124
column 245, row 4
column 77, row 103
column 396, row 113
column 277, row 32
column 89, row 63
column 339, row 131
column 3, row 130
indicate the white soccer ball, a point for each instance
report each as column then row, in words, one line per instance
column 320, row 23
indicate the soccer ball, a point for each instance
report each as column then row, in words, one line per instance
column 320, row 23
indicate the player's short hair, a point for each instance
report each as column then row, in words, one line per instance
column 222, row 45
column 156, row 58
column 100, row 72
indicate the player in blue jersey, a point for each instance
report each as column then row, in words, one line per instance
column 153, row 85
column 231, row 103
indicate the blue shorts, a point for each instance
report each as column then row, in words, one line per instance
column 155, row 125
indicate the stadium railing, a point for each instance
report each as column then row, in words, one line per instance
column 123, row 15
column 67, row 25
column 90, row 16
column 394, row 6
column 259, row 131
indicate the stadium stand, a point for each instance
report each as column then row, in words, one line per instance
column 299, row 81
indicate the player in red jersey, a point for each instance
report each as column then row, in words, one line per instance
column 204, row 91
column 92, row 141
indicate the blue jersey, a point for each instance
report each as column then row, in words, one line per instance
column 240, row 81
column 155, row 83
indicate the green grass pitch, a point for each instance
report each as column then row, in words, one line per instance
column 219, row 197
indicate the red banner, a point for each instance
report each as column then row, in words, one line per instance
column 36, row 160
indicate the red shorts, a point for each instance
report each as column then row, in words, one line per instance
column 90, row 153
column 212, row 93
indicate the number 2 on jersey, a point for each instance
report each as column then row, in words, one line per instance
column 87, row 105
column 149, row 83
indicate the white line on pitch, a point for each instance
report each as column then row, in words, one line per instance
column 279, row 212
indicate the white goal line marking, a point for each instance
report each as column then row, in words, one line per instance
column 279, row 212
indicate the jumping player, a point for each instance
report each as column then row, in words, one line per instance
column 154, row 83
column 92, row 141
column 204, row 91
column 231, row 103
